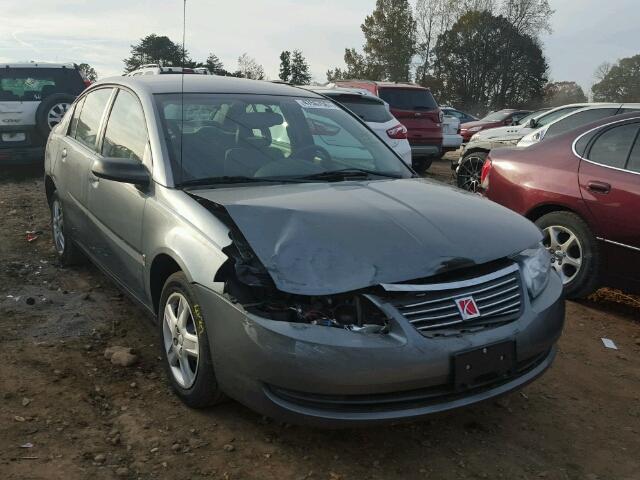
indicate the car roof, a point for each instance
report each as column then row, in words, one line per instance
column 152, row 84
column 387, row 84
column 37, row 65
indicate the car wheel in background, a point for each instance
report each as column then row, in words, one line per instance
column 51, row 111
column 470, row 170
column 574, row 252
column 185, row 345
column 67, row 251
column 422, row 164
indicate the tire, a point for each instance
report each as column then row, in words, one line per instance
column 470, row 170
column 579, row 282
column 421, row 165
column 68, row 252
column 191, row 377
column 51, row 110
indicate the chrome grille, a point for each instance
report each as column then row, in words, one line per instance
column 429, row 307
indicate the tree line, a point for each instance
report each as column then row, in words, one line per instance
column 478, row 55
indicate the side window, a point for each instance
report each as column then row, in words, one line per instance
column 612, row 147
column 553, row 116
column 634, row 159
column 74, row 120
column 126, row 132
column 91, row 115
column 579, row 119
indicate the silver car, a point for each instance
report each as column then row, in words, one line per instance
column 310, row 285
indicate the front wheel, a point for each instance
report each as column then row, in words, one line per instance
column 574, row 252
column 185, row 345
column 470, row 171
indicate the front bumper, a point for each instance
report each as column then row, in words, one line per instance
column 324, row 376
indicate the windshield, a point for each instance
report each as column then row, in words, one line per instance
column 227, row 137
column 496, row 116
column 408, row 98
column 35, row 84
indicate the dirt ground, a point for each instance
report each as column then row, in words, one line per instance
column 66, row 412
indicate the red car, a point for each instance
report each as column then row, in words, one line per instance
column 414, row 107
column 500, row 118
column 582, row 189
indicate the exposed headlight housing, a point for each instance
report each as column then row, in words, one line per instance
column 535, row 264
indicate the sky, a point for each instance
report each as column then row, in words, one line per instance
column 585, row 34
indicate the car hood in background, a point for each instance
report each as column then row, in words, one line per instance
column 327, row 238
column 477, row 123
column 516, row 131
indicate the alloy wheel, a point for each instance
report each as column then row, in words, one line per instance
column 566, row 251
column 469, row 173
column 55, row 114
column 57, row 225
column 181, row 340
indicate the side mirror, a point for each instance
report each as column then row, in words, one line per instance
column 533, row 123
column 124, row 170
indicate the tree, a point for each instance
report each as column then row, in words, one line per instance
column 433, row 17
column 529, row 17
column 563, row 93
column 299, row 69
column 484, row 62
column 285, row 66
column 215, row 65
column 390, row 33
column 88, row 72
column 155, row 49
column 248, row 67
column 602, row 71
column 621, row 83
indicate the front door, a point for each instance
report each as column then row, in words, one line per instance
column 610, row 185
column 116, row 208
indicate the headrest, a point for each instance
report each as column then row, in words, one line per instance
column 257, row 120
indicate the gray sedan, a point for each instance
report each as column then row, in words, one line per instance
column 291, row 260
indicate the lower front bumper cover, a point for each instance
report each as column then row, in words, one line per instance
column 350, row 378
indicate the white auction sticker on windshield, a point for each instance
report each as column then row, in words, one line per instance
column 317, row 103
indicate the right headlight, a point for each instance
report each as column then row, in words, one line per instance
column 535, row 264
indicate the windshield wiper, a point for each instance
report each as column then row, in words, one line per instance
column 346, row 174
column 229, row 180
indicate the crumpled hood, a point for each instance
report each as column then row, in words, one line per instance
column 327, row 238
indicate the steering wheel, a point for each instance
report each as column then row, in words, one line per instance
column 320, row 152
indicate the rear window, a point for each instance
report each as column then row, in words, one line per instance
column 35, row 84
column 368, row 109
column 408, row 98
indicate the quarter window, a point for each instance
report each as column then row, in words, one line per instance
column 91, row 115
column 126, row 133
column 612, row 147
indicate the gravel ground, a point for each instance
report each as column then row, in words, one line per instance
column 67, row 412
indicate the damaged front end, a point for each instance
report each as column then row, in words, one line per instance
column 247, row 283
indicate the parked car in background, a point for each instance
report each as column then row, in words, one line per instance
column 451, row 138
column 469, row 165
column 156, row 69
column 375, row 113
column 576, row 119
column 582, row 188
column 313, row 288
column 415, row 107
column 33, row 99
column 500, row 118
column 461, row 116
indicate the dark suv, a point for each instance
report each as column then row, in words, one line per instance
column 33, row 99
column 415, row 107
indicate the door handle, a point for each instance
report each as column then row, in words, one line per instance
column 63, row 155
column 599, row 187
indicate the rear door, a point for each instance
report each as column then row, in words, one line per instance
column 117, row 208
column 417, row 110
column 75, row 156
column 610, row 185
